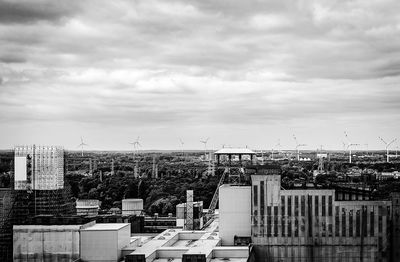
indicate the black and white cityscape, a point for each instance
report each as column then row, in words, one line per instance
column 199, row 131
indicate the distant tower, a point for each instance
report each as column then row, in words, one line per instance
column 153, row 171
column 112, row 167
column 90, row 167
column 189, row 210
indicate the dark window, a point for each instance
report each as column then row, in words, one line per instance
column 323, row 205
column 316, row 206
column 296, row 206
column 337, row 221
column 262, row 194
column 358, row 223
column 330, row 206
column 372, row 223
column 289, row 211
column 282, row 206
column 296, row 227
column 262, row 202
column 310, row 216
column 380, row 219
column 269, row 221
column 351, row 223
column 275, row 221
column 303, row 205
column 289, row 223
column 255, row 195
column 343, row 222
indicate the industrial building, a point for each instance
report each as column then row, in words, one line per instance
column 87, row 207
column 197, row 216
column 307, row 224
column 132, row 206
column 38, row 168
column 86, row 242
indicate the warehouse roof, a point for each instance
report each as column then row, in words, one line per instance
column 235, row 151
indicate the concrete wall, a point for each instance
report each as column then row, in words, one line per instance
column 104, row 245
column 234, row 212
column 99, row 245
column 46, row 243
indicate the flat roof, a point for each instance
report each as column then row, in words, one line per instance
column 106, row 226
column 235, row 151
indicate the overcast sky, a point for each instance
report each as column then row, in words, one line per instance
column 239, row 72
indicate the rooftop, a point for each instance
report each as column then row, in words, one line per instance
column 106, row 226
column 235, row 151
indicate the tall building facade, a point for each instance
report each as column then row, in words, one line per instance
column 311, row 224
column 308, row 224
column 39, row 168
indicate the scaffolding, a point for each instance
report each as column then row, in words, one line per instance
column 189, row 210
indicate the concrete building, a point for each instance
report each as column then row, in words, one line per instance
column 87, row 207
column 305, row 224
column 85, row 242
column 47, row 243
column 39, row 168
column 132, row 206
column 234, row 210
column 198, row 218
column 104, row 242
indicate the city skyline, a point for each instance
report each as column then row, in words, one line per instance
column 241, row 73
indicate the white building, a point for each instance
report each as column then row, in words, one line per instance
column 39, row 167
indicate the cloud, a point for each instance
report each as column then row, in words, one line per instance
column 198, row 66
column 34, row 11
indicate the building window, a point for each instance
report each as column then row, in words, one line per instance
column 296, row 206
column 289, row 211
column 303, row 205
column 358, row 223
column 351, row 223
column 262, row 194
column 316, row 206
column 343, row 222
column 255, row 195
column 330, row 205
column 372, row 223
column 323, row 205
column 380, row 219
column 337, row 226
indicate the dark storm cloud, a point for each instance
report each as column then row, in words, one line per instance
column 33, row 11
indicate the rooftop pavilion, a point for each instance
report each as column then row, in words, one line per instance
column 227, row 151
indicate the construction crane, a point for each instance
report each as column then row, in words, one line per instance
column 349, row 145
column 387, row 145
column 214, row 201
column 82, row 144
column 297, row 147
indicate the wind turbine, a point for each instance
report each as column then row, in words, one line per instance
column 387, row 147
column 349, row 145
column 182, row 143
column 277, row 145
column 297, row 147
column 82, row 144
column 204, row 141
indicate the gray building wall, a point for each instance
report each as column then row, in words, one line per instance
column 309, row 225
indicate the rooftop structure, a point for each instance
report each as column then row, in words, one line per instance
column 179, row 245
column 229, row 152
